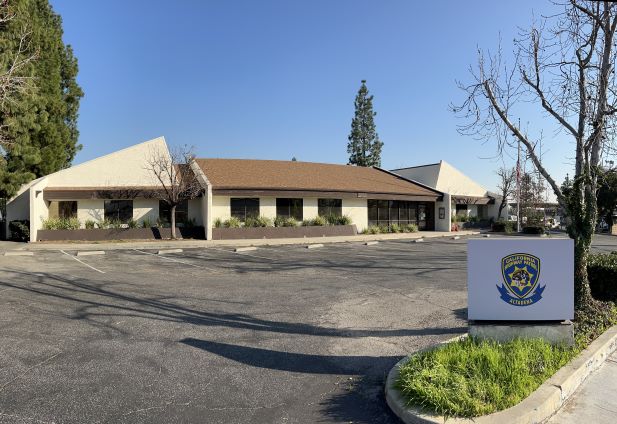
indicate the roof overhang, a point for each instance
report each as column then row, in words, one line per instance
column 260, row 192
column 79, row 193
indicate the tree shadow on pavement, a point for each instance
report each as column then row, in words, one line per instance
column 94, row 301
column 359, row 399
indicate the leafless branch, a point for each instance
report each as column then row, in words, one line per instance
column 171, row 171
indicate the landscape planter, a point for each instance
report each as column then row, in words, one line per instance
column 283, row 232
column 540, row 405
column 100, row 234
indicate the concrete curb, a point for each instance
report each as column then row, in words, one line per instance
column 166, row 251
column 89, row 252
column 245, row 249
column 187, row 244
column 536, row 408
column 18, row 253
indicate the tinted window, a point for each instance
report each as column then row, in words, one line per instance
column 182, row 212
column 67, row 209
column 119, row 210
column 243, row 208
column 327, row 207
column 289, row 208
column 384, row 212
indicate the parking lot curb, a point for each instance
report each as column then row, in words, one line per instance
column 245, row 249
column 18, row 253
column 89, row 252
column 314, row 246
column 189, row 244
column 536, row 408
column 164, row 251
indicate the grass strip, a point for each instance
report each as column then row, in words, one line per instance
column 468, row 378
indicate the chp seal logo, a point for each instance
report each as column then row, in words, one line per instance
column 521, row 273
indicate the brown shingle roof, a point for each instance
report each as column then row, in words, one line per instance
column 247, row 174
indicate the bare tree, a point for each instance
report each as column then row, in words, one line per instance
column 506, row 186
column 172, row 172
column 565, row 65
column 13, row 78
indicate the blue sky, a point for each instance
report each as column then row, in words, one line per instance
column 277, row 79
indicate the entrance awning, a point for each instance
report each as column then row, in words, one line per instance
column 473, row 200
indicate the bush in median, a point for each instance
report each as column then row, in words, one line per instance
column 503, row 226
column 602, row 271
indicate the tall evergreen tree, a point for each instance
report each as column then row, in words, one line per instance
column 40, row 123
column 364, row 146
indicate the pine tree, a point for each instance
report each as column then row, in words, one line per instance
column 364, row 146
column 40, row 123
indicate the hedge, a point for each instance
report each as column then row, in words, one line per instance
column 602, row 271
column 533, row 229
column 503, row 227
column 20, row 230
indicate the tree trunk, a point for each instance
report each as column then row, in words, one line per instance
column 502, row 205
column 173, row 222
column 582, row 291
column 580, row 228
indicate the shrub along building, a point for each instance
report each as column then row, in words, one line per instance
column 116, row 190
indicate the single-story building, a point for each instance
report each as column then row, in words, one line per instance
column 111, row 187
column 466, row 197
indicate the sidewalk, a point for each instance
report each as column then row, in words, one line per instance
column 165, row 244
column 595, row 401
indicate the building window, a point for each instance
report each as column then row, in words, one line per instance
column 182, row 212
column 243, row 208
column 63, row 209
column 289, row 208
column 119, row 210
column 67, row 209
column 330, row 207
column 401, row 212
column 461, row 209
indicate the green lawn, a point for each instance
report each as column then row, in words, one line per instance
column 468, row 378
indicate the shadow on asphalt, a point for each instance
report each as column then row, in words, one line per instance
column 101, row 304
column 361, row 401
column 293, row 362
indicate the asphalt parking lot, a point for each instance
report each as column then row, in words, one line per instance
column 276, row 335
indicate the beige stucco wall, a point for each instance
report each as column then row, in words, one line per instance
column 146, row 209
column 90, row 210
column 38, row 208
column 18, row 208
column 220, row 208
column 427, row 175
column 446, row 223
column 354, row 208
column 357, row 210
column 125, row 167
column 445, row 178
column 267, row 207
column 309, row 208
column 453, row 181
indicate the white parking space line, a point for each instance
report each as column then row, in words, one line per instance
column 82, row 262
column 167, row 258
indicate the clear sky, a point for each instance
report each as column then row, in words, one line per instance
column 275, row 79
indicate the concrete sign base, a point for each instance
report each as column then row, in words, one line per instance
column 556, row 333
